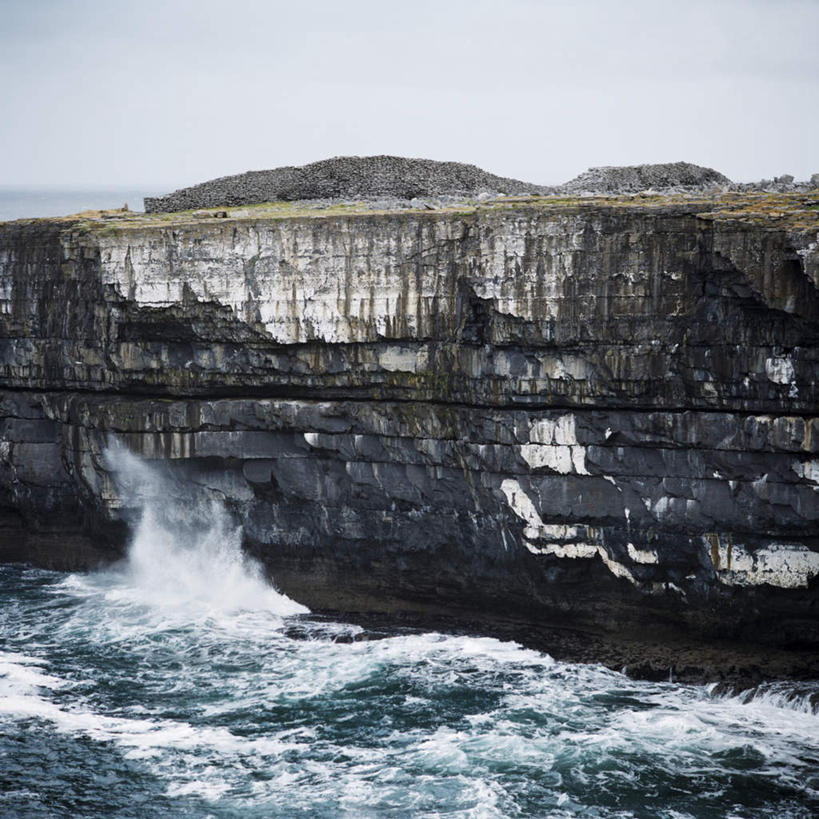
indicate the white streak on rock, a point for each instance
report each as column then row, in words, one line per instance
column 553, row 444
column 556, row 458
column 522, row 506
column 641, row 555
column 571, row 551
column 617, row 569
column 559, row 430
column 535, row 530
column 780, row 371
column 809, row 470
column 579, row 460
column 661, row 507
column 788, row 566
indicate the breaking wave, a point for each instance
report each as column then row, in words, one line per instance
column 186, row 549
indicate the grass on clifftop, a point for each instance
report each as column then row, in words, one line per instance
column 791, row 211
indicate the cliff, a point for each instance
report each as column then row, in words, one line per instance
column 597, row 414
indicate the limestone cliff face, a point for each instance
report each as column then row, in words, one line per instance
column 601, row 414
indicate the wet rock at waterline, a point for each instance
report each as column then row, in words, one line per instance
column 598, row 415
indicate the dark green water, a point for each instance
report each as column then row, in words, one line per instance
column 117, row 702
column 183, row 685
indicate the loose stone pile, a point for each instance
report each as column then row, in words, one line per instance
column 393, row 182
column 779, row 184
column 636, row 178
column 349, row 177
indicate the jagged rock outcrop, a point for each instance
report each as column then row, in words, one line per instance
column 344, row 177
column 599, row 416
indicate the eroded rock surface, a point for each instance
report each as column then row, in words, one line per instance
column 593, row 415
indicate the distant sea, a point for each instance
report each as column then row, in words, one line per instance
column 29, row 202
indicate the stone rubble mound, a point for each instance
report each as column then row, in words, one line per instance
column 673, row 178
column 346, row 177
column 636, row 178
column 388, row 182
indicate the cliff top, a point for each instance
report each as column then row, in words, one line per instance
column 794, row 211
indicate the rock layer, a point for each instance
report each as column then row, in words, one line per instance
column 589, row 415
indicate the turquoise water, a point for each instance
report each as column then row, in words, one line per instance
column 182, row 684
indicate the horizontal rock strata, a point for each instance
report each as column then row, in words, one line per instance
column 596, row 415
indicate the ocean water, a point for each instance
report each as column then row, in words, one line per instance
column 181, row 684
column 32, row 202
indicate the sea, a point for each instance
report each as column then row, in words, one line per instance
column 181, row 683
column 34, row 202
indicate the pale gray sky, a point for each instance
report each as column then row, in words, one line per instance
column 172, row 92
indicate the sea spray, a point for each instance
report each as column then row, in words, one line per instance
column 186, row 550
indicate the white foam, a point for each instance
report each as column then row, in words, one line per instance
column 186, row 551
column 21, row 673
column 230, row 709
column 777, row 695
column 534, row 715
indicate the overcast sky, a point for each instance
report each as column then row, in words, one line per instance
column 172, row 92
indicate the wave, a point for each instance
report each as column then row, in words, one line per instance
column 186, row 549
column 801, row 697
